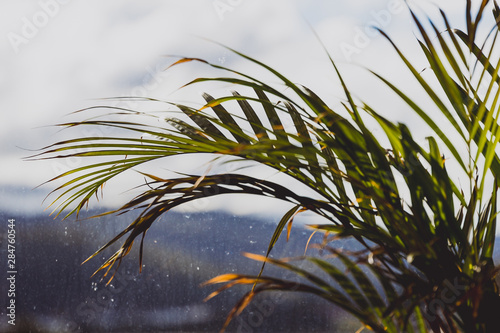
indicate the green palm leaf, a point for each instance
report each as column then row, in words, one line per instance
column 413, row 246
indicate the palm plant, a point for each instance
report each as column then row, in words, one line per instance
column 426, row 262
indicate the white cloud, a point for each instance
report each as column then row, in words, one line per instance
column 94, row 49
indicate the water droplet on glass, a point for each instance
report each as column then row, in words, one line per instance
column 370, row 258
column 410, row 258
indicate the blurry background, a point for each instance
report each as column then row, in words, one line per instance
column 59, row 56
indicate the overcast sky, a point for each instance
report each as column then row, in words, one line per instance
column 59, row 56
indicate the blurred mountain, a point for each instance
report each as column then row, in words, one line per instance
column 55, row 293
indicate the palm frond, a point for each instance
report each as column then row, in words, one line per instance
column 413, row 247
